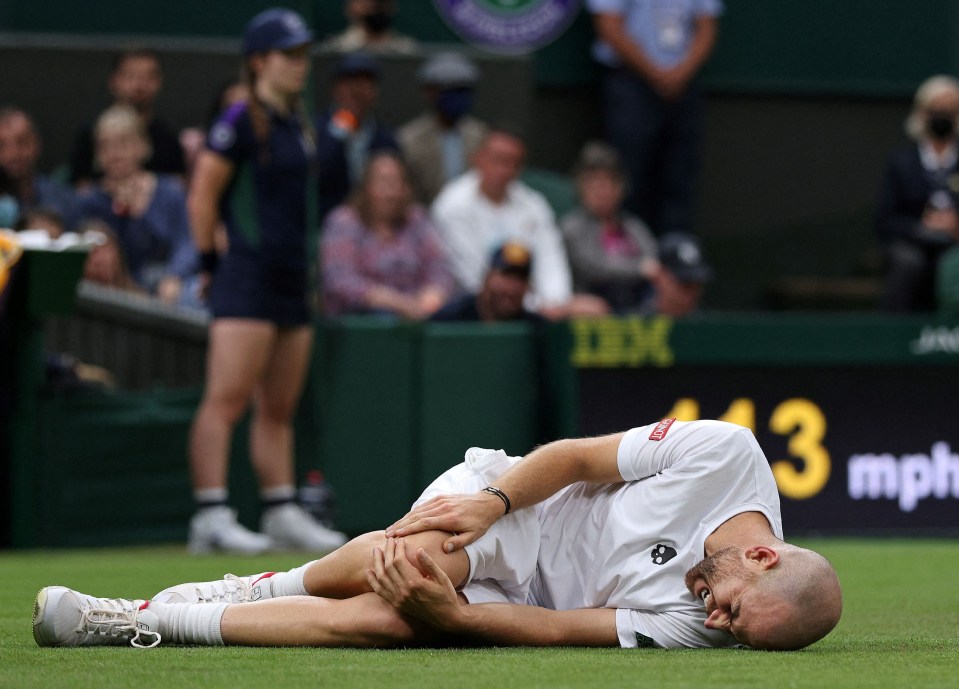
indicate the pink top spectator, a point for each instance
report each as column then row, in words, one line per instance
column 356, row 260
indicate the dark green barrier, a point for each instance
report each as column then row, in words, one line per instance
column 856, row 413
column 398, row 404
column 479, row 386
column 111, row 469
column 365, row 394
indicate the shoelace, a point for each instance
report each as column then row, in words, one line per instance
column 118, row 620
column 221, row 591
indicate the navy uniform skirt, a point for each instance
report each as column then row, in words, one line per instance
column 274, row 290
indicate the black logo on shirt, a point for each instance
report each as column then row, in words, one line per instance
column 662, row 554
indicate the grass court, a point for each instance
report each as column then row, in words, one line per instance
column 900, row 628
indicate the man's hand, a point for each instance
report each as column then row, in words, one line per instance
column 467, row 516
column 429, row 597
column 670, row 84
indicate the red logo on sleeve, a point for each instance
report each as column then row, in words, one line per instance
column 661, row 429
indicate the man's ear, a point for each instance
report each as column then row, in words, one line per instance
column 762, row 555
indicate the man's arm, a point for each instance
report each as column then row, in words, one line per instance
column 669, row 83
column 676, row 80
column 538, row 476
column 611, row 29
column 432, row 599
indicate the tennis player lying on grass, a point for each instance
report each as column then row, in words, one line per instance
column 667, row 535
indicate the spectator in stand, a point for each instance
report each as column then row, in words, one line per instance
column 261, row 334
column 105, row 264
column 488, row 206
column 146, row 211
column 348, row 132
column 380, row 252
column 611, row 252
column 20, row 147
column 135, row 81
column 917, row 215
column 680, row 279
column 370, row 29
column 503, row 292
column 439, row 143
column 652, row 52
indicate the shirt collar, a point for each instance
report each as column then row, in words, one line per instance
column 933, row 161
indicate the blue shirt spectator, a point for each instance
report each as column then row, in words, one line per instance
column 20, row 147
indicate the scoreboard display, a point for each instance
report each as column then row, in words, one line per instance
column 855, row 446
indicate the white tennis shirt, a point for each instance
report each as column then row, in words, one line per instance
column 628, row 545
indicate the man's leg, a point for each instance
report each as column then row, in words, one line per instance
column 365, row 621
column 358, row 619
column 340, row 609
column 341, row 574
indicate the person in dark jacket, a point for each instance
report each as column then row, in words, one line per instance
column 917, row 216
column 349, row 131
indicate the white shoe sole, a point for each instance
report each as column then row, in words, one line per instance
column 46, row 602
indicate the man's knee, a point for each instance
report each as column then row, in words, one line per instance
column 456, row 565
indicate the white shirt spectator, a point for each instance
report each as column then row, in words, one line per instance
column 472, row 227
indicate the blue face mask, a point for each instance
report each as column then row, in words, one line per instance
column 454, row 103
column 9, row 211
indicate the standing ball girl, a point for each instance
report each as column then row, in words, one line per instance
column 255, row 174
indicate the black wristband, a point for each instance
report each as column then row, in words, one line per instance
column 493, row 490
column 209, row 261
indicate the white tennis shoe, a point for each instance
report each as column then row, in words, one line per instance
column 64, row 617
column 215, row 529
column 229, row 589
column 290, row 527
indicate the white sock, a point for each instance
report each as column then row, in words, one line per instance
column 290, row 583
column 190, row 623
column 210, row 496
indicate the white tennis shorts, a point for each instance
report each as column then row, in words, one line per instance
column 503, row 560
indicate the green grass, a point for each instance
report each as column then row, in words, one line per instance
column 900, row 628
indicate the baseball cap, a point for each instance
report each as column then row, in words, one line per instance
column 275, row 29
column 513, row 258
column 355, row 64
column 681, row 254
column 448, row 70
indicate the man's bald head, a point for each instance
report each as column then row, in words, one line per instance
column 804, row 589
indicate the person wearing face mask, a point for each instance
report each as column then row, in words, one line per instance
column 917, row 216
column 370, row 29
column 439, row 143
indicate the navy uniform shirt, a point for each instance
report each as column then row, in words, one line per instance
column 267, row 212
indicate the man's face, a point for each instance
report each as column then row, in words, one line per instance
column 504, row 293
column 357, row 93
column 19, row 147
column 727, row 586
column 137, row 82
column 499, row 161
